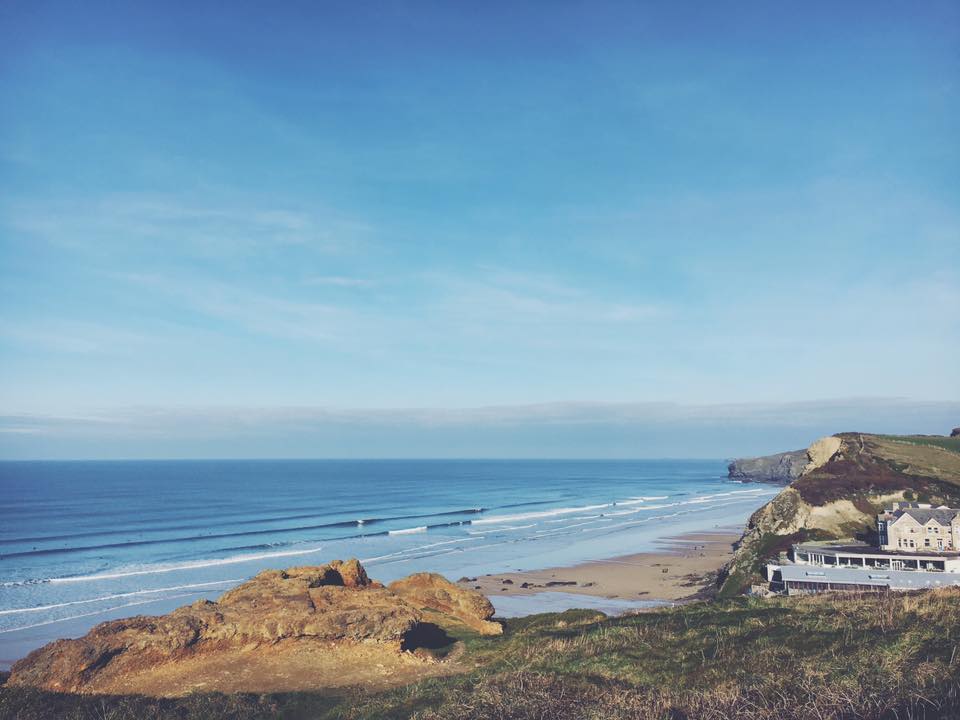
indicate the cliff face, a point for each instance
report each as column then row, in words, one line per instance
column 780, row 468
column 299, row 628
column 847, row 479
column 784, row 467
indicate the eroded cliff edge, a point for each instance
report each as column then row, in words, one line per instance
column 780, row 468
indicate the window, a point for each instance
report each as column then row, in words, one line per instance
column 926, row 542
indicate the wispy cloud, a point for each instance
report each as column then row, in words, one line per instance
column 255, row 311
column 339, row 281
column 195, row 227
column 243, row 419
column 64, row 336
column 497, row 296
column 543, row 430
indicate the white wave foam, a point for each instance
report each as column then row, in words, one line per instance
column 641, row 499
column 500, row 528
column 408, row 531
column 183, row 566
column 408, row 551
column 535, row 515
column 562, row 520
column 632, row 511
column 95, row 612
column 118, row 595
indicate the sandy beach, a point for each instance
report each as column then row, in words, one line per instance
column 682, row 570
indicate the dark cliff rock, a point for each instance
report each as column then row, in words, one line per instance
column 780, row 468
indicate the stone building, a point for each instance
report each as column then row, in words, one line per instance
column 914, row 527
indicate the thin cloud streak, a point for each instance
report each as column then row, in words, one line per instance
column 571, row 429
column 240, row 418
column 214, row 228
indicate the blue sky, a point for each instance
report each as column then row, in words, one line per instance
column 256, row 213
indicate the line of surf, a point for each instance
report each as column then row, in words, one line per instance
column 539, row 514
column 165, row 569
column 95, row 612
column 408, row 531
column 115, row 596
column 245, row 533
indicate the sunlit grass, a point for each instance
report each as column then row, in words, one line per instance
column 867, row 656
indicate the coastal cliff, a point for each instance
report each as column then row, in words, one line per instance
column 848, row 478
column 304, row 627
column 783, row 467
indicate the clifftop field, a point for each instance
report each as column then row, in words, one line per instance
column 881, row 656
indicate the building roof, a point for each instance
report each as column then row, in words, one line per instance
column 942, row 516
column 899, row 579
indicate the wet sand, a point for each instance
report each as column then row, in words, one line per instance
column 684, row 569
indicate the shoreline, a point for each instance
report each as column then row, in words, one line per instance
column 683, row 569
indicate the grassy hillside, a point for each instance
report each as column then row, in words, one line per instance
column 841, row 498
column 893, row 656
column 946, row 443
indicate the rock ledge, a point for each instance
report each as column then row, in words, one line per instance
column 324, row 612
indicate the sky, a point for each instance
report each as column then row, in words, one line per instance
column 313, row 229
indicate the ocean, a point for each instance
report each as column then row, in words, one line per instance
column 83, row 542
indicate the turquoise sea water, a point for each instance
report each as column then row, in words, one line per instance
column 83, row 542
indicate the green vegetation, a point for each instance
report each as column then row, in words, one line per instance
column 869, row 656
column 947, row 443
column 748, row 567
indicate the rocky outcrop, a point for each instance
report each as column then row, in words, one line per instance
column 430, row 591
column 820, row 453
column 780, row 468
column 323, row 610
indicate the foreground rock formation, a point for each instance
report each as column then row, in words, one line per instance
column 304, row 627
column 433, row 592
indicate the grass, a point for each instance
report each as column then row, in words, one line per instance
column 870, row 656
column 947, row 443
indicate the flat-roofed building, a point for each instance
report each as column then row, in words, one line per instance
column 804, row 579
column 851, row 554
